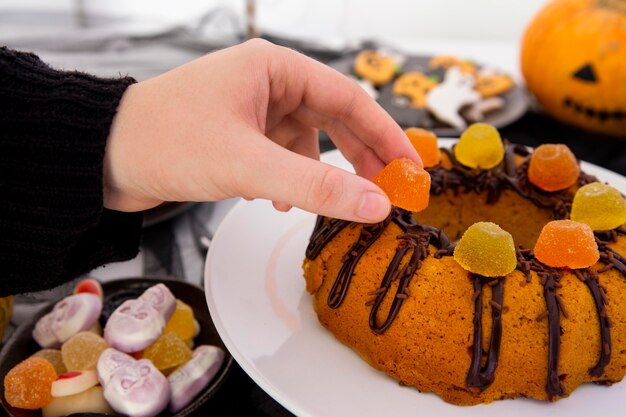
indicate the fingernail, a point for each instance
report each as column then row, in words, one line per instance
column 374, row 207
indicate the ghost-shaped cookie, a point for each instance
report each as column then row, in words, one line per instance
column 446, row 100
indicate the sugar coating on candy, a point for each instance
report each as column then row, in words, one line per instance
column 553, row 167
column 168, row 352
column 133, row 326
column 600, row 206
column 161, row 298
column 110, row 360
column 137, row 389
column 191, row 378
column 82, row 351
column 425, row 143
column 405, row 183
column 486, row 249
column 54, row 357
column 480, row 146
column 567, row 244
column 73, row 382
column 28, row 384
column 89, row 401
column 181, row 322
column 74, row 314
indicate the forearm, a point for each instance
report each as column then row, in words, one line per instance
column 53, row 131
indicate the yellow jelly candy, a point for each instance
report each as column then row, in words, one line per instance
column 167, row 352
column 486, row 249
column 181, row 322
column 54, row 357
column 28, row 384
column 567, row 244
column 405, row 183
column 600, row 206
column 480, row 146
column 553, row 167
column 82, row 351
column 425, row 143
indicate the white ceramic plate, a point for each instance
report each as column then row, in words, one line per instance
column 257, row 299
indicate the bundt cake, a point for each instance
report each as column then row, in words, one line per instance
column 395, row 294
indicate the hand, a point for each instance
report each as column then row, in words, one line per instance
column 243, row 122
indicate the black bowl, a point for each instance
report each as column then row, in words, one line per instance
column 21, row 344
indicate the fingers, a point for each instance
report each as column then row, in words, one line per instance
column 299, row 181
column 298, row 138
column 319, row 96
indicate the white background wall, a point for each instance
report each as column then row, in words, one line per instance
column 486, row 30
column 346, row 19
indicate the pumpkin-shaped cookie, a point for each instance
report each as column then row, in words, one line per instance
column 414, row 85
column 447, row 61
column 374, row 67
column 491, row 84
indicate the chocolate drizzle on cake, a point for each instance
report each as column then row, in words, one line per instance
column 325, row 230
column 550, row 279
column 415, row 241
column 601, row 300
column 477, row 376
column 413, row 245
column 369, row 235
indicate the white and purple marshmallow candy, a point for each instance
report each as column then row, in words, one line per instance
column 161, row 298
column 191, row 378
column 109, row 361
column 137, row 389
column 133, row 326
column 69, row 316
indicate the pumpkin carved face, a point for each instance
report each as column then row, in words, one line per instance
column 574, row 62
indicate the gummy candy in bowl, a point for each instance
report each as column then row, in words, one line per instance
column 21, row 345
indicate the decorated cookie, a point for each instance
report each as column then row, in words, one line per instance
column 414, row 85
column 446, row 99
column 374, row 67
column 477, row 111
column 490, row 84
column 449, row 61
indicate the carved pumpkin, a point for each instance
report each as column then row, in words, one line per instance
column 573, row 57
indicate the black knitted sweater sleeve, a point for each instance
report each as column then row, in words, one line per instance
column 53, row 131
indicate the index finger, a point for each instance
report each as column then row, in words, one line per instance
column 321, row 97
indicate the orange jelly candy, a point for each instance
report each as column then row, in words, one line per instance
column 28, row 384
column 553, row 167
column 567, row 244
column 425, row 143
column 181, row 322
column 405, row 183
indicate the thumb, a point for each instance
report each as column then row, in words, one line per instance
column 317, row 187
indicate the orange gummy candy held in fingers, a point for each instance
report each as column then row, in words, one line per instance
column 406, row 184
column 567, row 244
column 425, row 143
column 28, row 384
column 553, row 167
